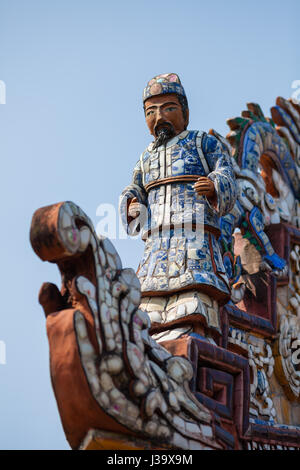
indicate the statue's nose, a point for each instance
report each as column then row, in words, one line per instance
column 159, row 116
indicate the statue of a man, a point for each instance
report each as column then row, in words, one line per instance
column 185, row 180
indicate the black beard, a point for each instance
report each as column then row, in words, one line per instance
column 164, row 133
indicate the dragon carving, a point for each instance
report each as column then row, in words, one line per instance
column 96, row 329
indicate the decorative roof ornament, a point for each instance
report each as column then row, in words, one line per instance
column 198, row 366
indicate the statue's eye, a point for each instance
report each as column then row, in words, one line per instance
column 150, row 112
column 170, row 109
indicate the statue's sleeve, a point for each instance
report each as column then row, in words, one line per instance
column 221, row 174
column 135, row 189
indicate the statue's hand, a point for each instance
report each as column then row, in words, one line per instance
column 134, row 208
column 205, row 187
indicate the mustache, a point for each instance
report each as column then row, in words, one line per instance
column 163, row 132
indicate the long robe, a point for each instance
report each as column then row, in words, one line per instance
column 181, row 228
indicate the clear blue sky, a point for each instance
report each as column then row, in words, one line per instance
column 72, row 128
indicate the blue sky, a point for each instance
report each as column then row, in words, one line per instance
column 73, row 128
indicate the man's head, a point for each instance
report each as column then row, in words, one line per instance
column 166, row 107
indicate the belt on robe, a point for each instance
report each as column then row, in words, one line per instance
column 172, row 180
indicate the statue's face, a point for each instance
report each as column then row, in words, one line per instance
column 163, row 111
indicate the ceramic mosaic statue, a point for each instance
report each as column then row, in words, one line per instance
column 185, row 181
column 234, row 381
